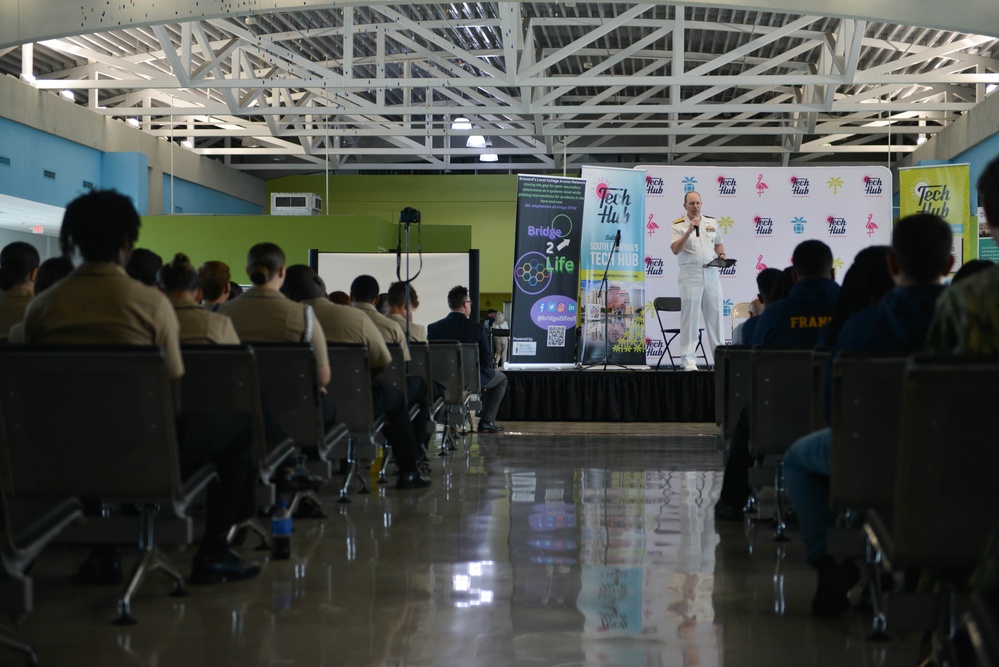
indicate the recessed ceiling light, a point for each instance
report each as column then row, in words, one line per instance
column 989, row 89
column 68, row 94
column 489, row 157
column 187, row 143
column 134, row 122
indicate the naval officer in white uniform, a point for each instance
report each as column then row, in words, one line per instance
column 696, row 240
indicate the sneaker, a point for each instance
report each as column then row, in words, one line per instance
column 835, row 581
column 412, row 480
column 689, row 367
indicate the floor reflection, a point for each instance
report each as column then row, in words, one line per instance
column 530, row 550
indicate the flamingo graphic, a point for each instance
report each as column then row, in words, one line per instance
column 871, row 225
column 759, row 263
column 651, row 226
column 761, row 186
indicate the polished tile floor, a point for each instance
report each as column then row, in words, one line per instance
column 551, row 545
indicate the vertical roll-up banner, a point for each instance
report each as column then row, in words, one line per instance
column 944, row 190
column 615, row 202
column 546, row 271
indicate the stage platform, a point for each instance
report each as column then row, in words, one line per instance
column 609, row 396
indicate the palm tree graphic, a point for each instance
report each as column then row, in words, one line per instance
column 835, row 183
column 725, row 223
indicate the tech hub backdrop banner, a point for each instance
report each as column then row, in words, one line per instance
column 615, row 200
column 546, row 270
column 762, row 214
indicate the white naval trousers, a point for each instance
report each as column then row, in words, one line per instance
column 700, row 290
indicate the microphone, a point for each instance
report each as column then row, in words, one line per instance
column 617, row 239
column 697, row 230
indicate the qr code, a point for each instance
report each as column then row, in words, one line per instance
column 556, row 336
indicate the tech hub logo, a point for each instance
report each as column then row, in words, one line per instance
column 764, row 226
column 726, row 186
column 654, row 347
column 798, row 225
column 799, row 186
column 653, row 186
column 837, row 226
column 653, row 266
column 872, row 186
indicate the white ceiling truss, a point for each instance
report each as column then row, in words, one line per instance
column 377, row 88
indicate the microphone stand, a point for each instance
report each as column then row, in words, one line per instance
column 606, row 293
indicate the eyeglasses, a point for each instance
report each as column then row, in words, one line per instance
column 468, row 302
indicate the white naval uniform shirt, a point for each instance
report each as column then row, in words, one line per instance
column 699, row 250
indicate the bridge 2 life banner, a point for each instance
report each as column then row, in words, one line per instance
column 546, row 270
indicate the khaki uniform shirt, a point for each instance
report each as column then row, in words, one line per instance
column 99, row 304
column 417, row 332
column 343, row 324
column 200, row 326
column 263, row 315
column 13, row 303
column 389, row 330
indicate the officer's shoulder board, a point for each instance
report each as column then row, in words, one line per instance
column 679, row 220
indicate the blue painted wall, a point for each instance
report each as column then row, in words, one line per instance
column 190, row 198
column 978, row 156
column 31, row 152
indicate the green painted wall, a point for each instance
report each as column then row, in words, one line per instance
column 486, row 202
column 229, row 237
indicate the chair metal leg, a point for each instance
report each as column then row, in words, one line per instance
column 150, row 560
column 780, row 526
column 299, row 497
column 387, row 458
column 446, row 435
column 351, row 470
column 15, row 642
column 879, row 622
column 253, row 526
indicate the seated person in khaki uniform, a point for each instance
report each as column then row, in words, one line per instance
column 18, row 270
column 262, row 314
column 99, row 304
column 364, row 296
column 343, row 324
column 198, row 326
column 401, row 315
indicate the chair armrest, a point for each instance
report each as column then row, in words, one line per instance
column 335, row 434
column 275, row 457
column 191, row 487
column 40, row 529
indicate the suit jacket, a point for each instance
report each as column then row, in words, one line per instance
column 458, row 327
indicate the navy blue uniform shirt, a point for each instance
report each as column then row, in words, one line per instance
column 796, row 320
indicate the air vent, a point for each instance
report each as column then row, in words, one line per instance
column 87, row 185
column 48, row 174
column 4, row 161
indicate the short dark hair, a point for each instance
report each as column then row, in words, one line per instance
column 52, row 271
column 99, row 224
column 970, row 268
column 988, row 191
column 143, row 265
column 263, row 262
column 812, row 259
column 17, row 261
column 178, row 275
column 340, row 297
column 213, row 276
column 397, row 295
column 921, row 244
column 765, row 280
column 456, row 297
column 364, row 288
column 301, row 283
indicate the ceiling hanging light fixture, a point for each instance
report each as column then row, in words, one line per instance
column 461, row 123
column 489, row 157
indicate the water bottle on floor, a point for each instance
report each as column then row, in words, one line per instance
column 281, row 532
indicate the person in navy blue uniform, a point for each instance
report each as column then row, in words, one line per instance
column 919, row 258
column 765, row 281
column 458, row 326
column 797, row 320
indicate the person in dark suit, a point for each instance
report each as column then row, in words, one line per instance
column 458, row 326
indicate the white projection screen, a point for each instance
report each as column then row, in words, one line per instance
column 441, row 271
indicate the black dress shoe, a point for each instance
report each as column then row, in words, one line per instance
column 489, row 427
column 835, row 582
column 216, row 568
column 102, row 568
column 727, row 512
column 293, row 480
column 412, row 480
column 309, row 509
